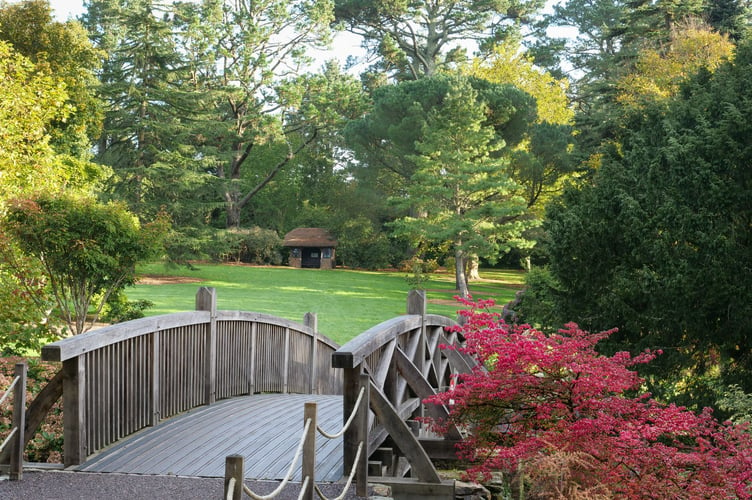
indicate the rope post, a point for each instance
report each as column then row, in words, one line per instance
column 234, row 471
column 361, row 485
column 309, row 452
column 19, row 421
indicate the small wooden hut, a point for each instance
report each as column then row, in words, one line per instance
column 311, row 247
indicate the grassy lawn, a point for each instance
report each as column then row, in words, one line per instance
column 346, row 302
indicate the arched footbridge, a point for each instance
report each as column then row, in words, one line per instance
column 179, row 393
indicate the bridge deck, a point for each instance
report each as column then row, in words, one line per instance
column 264, row 428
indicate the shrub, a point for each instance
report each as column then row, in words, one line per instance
column 552, row 408
column 118, row 308
column 252, row 246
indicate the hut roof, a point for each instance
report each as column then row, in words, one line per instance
column 309, row 237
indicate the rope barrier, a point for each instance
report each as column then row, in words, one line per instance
column 349, row 479
column 294, row 462
column 296, row 458
column 349, row 420
column 8, row 437
column 304, row 487
column 10, row 388
column 230, row 488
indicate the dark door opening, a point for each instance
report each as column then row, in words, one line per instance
column 311, row 258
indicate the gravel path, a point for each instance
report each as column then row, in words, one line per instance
column 62, row 485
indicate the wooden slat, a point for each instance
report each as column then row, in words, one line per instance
column 196, row 444
column 393, row 422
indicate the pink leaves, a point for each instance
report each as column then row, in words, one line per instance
column 552, row 399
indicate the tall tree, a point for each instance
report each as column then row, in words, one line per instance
column 461, row 189
column 658, row 245
column 143, row 128
column 542, row 161
column 30, row 103
column 659, row 73
column 416, row 39
column 214, row 96
column 62, row 51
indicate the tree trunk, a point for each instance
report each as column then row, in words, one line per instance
column 460, row 260
column 473, row 271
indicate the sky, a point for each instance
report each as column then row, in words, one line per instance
column 66, row 9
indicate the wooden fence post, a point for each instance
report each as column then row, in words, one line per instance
column 74, row 411
column 19, row 421
column 309, row 452
column 206, row 300
column 234, row 470
column 361, row 485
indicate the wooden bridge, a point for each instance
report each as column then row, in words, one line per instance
column 175, row 394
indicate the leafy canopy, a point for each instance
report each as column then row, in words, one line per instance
column 87, row 250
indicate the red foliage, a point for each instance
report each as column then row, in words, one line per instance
column 538, row 397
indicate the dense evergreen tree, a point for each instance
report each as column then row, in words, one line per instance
column 659, row 244
column 462, row 193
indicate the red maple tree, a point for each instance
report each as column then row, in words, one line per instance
column 575, row 424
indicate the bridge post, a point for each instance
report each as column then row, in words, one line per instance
column 74, row 411
column 416, row 304
column 350, row 389
column 206, row 300
column 311, row 320
column 361, row 475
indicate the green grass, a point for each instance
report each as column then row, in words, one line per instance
column 347, row 302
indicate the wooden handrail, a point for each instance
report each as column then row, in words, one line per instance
column 15, row 440
column 121, row 378
column 354, row 352
column 403, row 358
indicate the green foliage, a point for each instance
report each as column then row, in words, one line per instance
column 657, row 244
column 25, row 303
column 461, row 190
column 539, row 299
column 118, row 308
column 361, row 245
column 87, row 250
column 251, row 246
column 63, row 52
column 29, row 103
column 419, row 39
column 737, row 403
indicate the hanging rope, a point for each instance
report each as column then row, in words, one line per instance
column 349, row 420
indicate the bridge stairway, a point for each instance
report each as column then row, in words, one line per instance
column 264, row 428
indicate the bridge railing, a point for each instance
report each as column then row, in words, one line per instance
column 121, row 378
column 405, row 363
column 15, row 439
